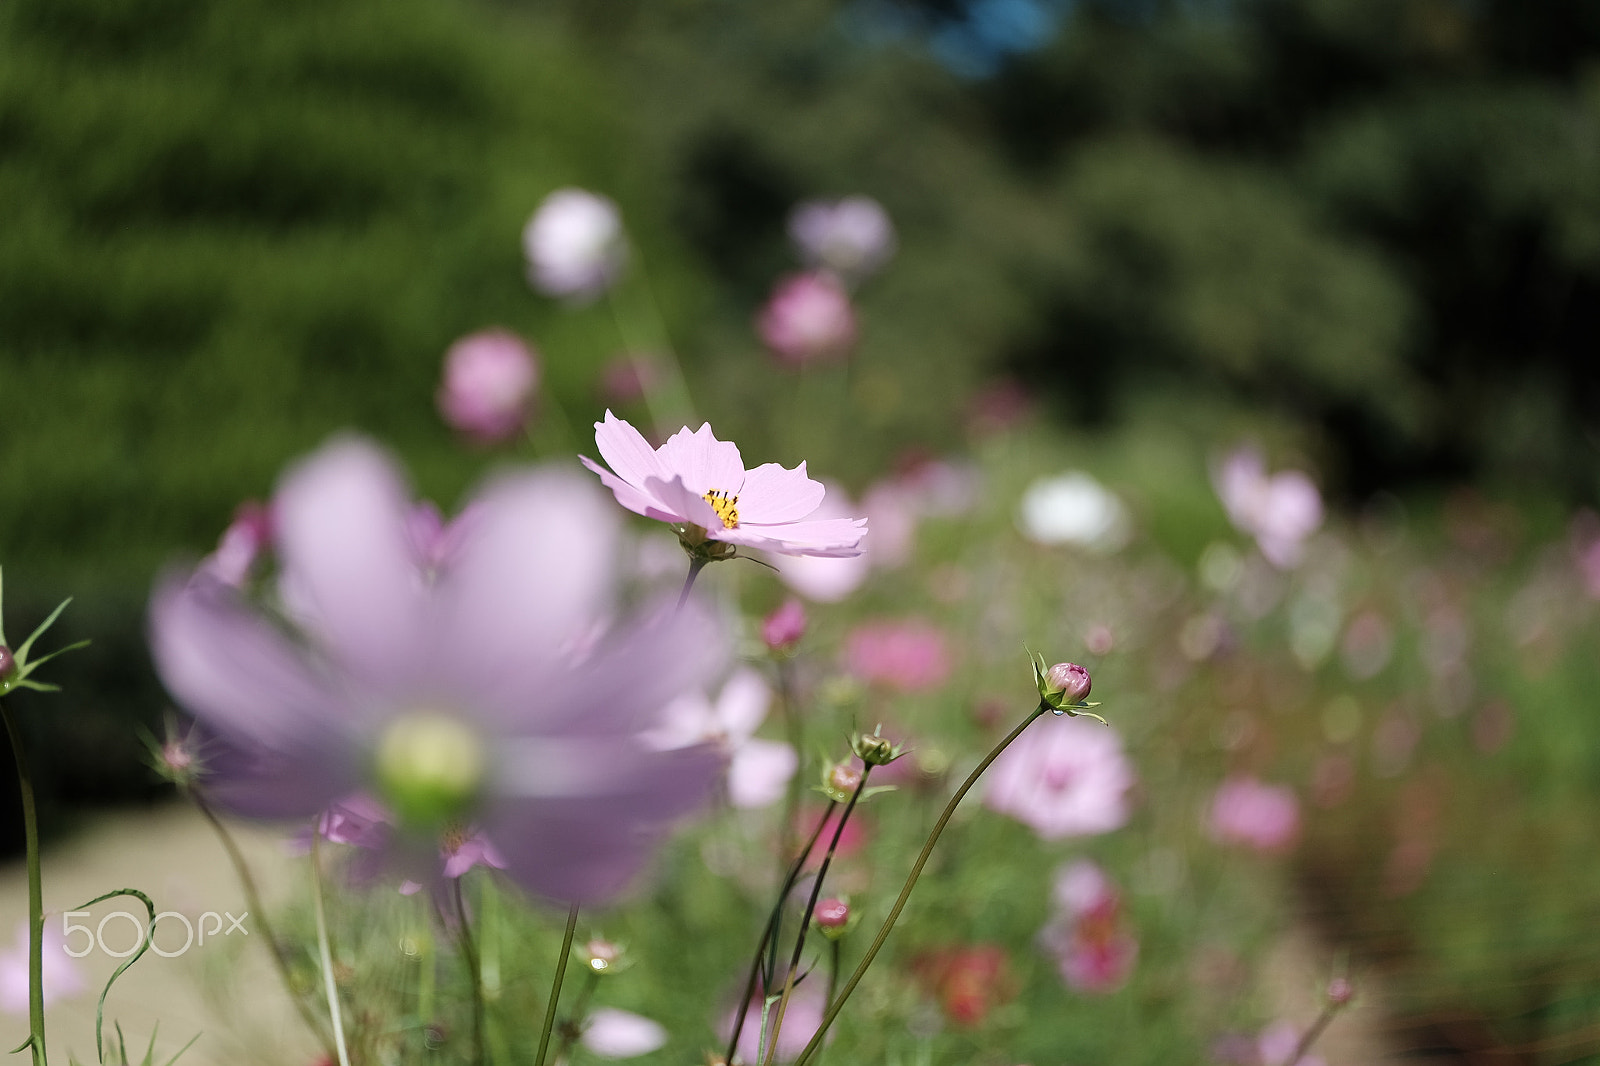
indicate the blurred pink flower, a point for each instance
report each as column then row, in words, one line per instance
column 852, row 237
column 628, row 378
column 909, row 656
column 61, row 978
column 574, row 245
column 1094, row 951
column 454, row 696
column 619, row 1034
column 1256, row 815
column 829, row 580
column 1277, row 1044
column 1063, row 778
column 968, row 981
column 1279, row 511
column 758, row 770
column 247, row 538
column 489, row 380
column 808, row 318
column 800, row 1021
column 694, row 479
column 783, row 628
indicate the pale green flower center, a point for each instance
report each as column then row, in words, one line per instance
column 430, row 768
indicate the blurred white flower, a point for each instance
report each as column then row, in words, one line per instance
column 62, row 978
column 1073, row 508
column 1280, row 511
column 620, row 1034
column 852, row 237
column 758, row 770
column 574, row 245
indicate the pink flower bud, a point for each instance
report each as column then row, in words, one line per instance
column 832, row 913
column 1340, row 991
column 782, row 629
column 844, row 778
column 489, row 381
column 8, row 662
column 1069, row 679
column 808, row 318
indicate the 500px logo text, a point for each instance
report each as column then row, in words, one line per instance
column 96, row 936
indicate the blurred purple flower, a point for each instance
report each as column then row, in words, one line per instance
column 619, row 1034
column 758, row 770
column 574, row 245
column 696, row 480
column 488, row 386
column 61, row 977
column 1063, row 778
column 472, row 694
column 852, row 237
column 1094, row 951
column 808, row 318
column 1279, row 511
column 910, row 656
column 1248, row 812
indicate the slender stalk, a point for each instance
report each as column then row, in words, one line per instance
column 811, row 905
column 572, row 1027
column 770, row 933
column 30, row 829
column 469, row 954
column 252, row 898
column 324, row 952
column 1301, row 1049
column 911, row 882
column 696, row 564
column 555, row 986
column 833, row 969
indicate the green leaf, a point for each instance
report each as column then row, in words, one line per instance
column 22, row 652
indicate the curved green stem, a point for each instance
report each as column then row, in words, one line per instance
column 911, row 882
column 30, row 829
column 469, row 953
column 696, row 564
column 555, row 986
column 324, row 951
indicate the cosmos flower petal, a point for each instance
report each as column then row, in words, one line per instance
column 635, row 500
column 296, row 779
column 759, row 773
column 684, row 504
column 619, row 1034
column 626, row 451
column 833, row 538
column 350, row 571
column 743, row 704
column 771, row 495
column 702, row 461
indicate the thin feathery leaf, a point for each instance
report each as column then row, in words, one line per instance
column 38, row 686
column 181, row 1051
column 100, row 1008
column 58, row 651
column 22, row 652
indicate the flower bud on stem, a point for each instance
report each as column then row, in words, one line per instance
column 1339, row 994
column 911, row 882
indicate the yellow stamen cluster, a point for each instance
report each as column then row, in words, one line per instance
column 726, row 506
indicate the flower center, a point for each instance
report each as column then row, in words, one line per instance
column 430, row 768
column 726, row 506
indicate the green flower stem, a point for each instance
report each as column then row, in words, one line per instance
column 469, row 954
column 324, row 951
column 1304, row 1047
column 811, row 905
column 30, row 828
column 572, row 1027
column 911, row 882
column 771, row 931
column 555, row 986
column 252, row 898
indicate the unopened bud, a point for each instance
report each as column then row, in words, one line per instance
column 844, row 779
column 832, row 913
column 1070, row 680
column 602, row 956
column 875, row 750
column 8, row 664
column 1340, row 991
column 782, row 629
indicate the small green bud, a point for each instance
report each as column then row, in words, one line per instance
column 875, row 750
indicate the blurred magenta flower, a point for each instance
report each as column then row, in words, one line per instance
column 910, row 656
column 1063, row 778
column 968, row 981
column 620, row 1034
column 1256, row 815
column 783, row 628
column 1279, row 511
column 700, row 483
column 488, row 386
column 808, row 318
column 1087, row 938
column 852, row 237
column 800, row 1022
column 61, row 976
column 758, row 770
column 574, row 245
column 475, row 694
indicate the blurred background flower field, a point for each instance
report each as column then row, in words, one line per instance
column 1242, row 351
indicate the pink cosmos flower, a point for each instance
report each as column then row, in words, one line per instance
column 909, row 656
column 1091, row 947
column 574, row 245
column 620, row 1034
column 488, row 386
column 852, row 237
column 1279, row 511
column 1063, row 778
column 469, row 694
column 1257, row 815
column 61, row 978
column 700, row 483
column 758, row 770
column 808, row 319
